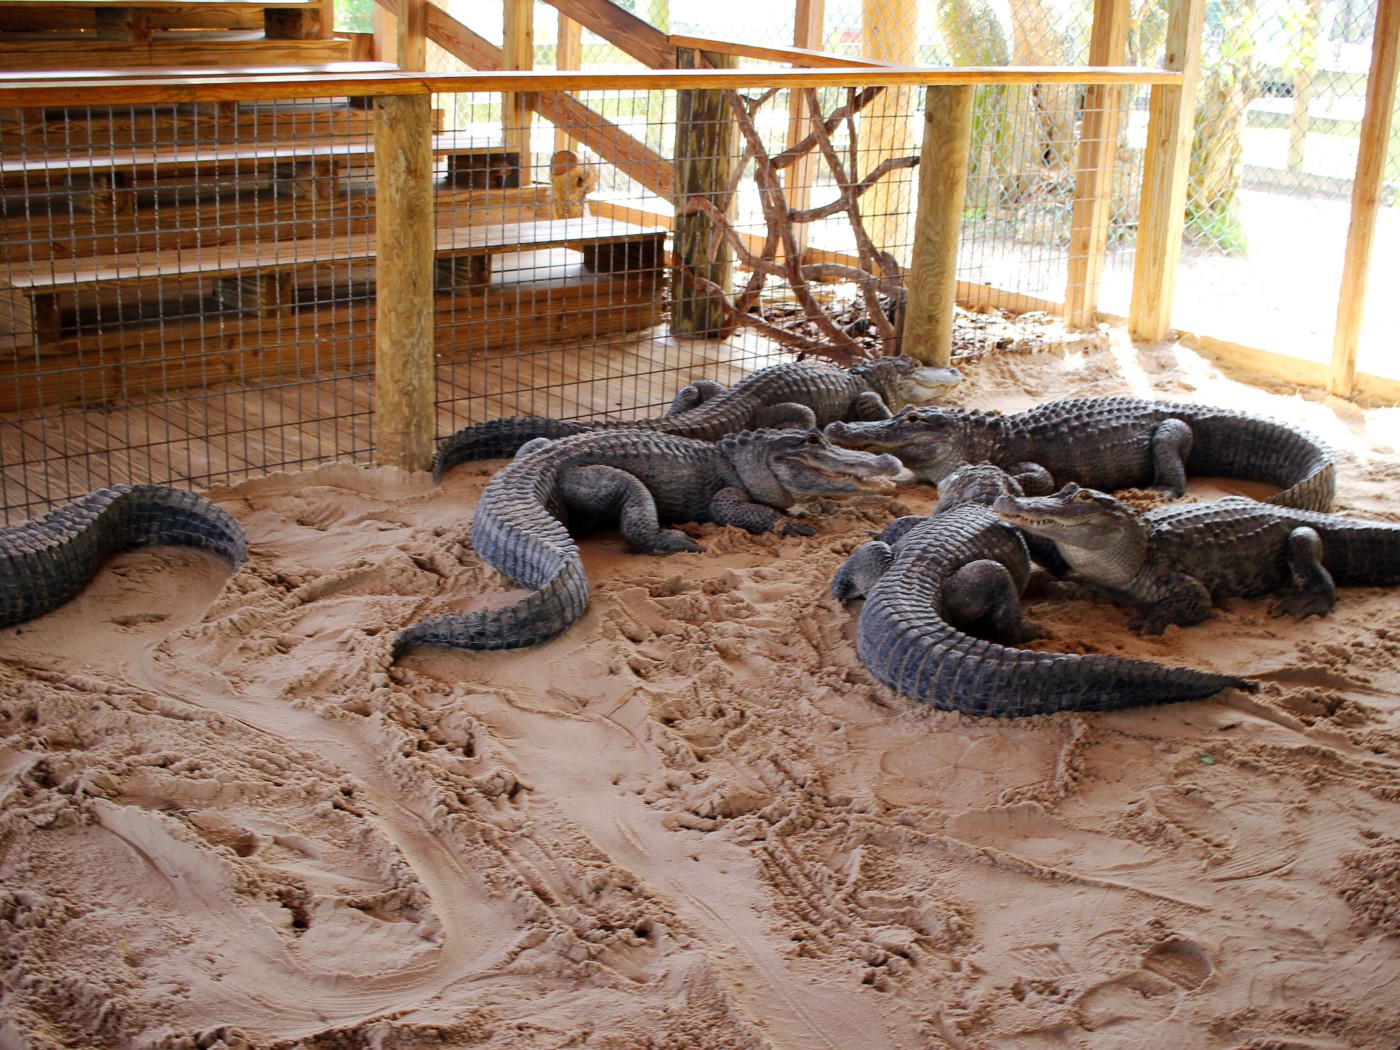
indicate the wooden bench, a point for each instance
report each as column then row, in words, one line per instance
column 261, row 276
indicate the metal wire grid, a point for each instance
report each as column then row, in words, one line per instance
column 125, row 225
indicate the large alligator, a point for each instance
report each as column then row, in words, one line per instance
column 46, row 562
column 638, row 478
column 925, row 580
column 1175, row 562
column 1106, row 443
column 798, row 394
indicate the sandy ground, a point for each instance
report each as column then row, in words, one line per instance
column 692, row 821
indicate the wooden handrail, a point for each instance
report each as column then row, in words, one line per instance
column 143, row 91
column 798, row 56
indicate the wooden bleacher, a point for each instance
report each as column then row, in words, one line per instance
column 143, row 249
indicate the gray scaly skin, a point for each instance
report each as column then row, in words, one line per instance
column 1106, row 443
column 46, row 562
column 798, row 394
column 638, row 479
column 925, row 579
column 1176, row 562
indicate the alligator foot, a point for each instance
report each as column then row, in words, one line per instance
column 1300, row 605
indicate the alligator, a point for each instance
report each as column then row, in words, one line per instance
column 46, row 562
column 926, row 579
column 1175, row 562
column 799, row 394
column 638, row 478
column 1106, row 443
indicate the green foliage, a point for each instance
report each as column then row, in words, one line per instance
column 1219, row 229
column 354, row 16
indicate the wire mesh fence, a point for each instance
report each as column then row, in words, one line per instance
column 190, row 290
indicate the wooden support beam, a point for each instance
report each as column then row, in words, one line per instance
column 404, row 310
column 1093, row 179
column 1170, row 122
column 637, row 38
column 705, row 147
column 518, row 52
column 1365, row 199
column 412, row 39
column 632, row 157
column 809, row 20
column 889, row 30
column 568, row 54
column 928, row 314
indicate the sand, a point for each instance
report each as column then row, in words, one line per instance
column 693, row 820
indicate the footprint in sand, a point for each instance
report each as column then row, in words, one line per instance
column 1149, row 993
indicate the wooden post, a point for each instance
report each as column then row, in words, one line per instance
column 1301, row 119
column 1093, row 180
column 1170, row 120
column 889, row 30
column 1365, row 199
column 404, row 311
column 386, row 35
column 705, row 146
column 928, row 314
column 412, row 37
column 810, row 17
column 518, row 52
column 568, row 55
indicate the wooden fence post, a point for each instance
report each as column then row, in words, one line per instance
column 518, row 52
column 411, row 39
column 704, row 159
column 808, row 21
column 933, row 273
column 1093, row 178
column 1365, row 199
column 568, row 54
column 1161, row 215
column 404, row 311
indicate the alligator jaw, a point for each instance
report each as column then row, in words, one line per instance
column 928, row 384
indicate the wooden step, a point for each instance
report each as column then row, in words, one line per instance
column 37, row 303
column 32, row 235
column 141, row 21
column 183, row 50
column 97, row 75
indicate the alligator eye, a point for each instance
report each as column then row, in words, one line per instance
column 1084, row 495
column 812, row 439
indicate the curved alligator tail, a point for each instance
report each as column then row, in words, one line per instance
column 1233, row 445
column 915, row 652
column 46, row 562
column 542, row 615
column 499, row 437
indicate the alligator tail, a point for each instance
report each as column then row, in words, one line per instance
column 46, row 562
column 499, row 437
column 542, row 615
column 929, row 660
column 1278, row 453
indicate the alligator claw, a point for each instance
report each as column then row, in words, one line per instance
column 1300, row 605
column 796, row 528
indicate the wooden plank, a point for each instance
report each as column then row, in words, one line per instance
column 176, row 51
column 806, row 54
column 1171, row 113
column 928, row 314
column 403, row 345
column 1093, row 178
column 223, row 260
column 889, row 31
column 412, row 34
column 1366, row 190
column 637, row 38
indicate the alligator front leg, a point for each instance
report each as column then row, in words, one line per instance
column 785, row 415
column 604, row 492
column 695, row 395
column 984, row 591
column 1317, row 591
column 862, row 570
column 1178, row 598
column 732, row 506
column 868, row 408
column 1171, row 446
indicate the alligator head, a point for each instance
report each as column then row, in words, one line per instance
column 902, row 380
column 929, row 441
column 1100, row 537
column 780, row 467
